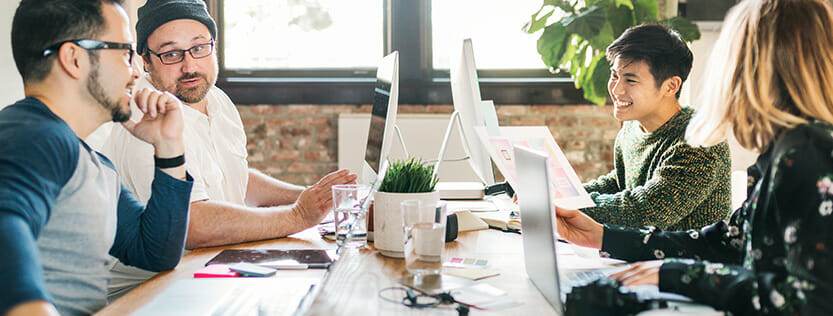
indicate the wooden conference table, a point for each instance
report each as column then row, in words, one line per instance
column 352, row 285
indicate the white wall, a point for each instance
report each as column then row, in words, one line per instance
column 12, row 84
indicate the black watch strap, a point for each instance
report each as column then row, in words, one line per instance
column 163, row 163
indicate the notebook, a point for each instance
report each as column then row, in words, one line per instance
column 311, row 258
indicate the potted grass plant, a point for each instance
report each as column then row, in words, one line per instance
column 405, row 180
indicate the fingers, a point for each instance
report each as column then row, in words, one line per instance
column 314, row 203
column 317, row 200
column 564, row 212
column 342, row 176
column 141, row 98
column 169, row 102
column 154, row 102
column 640, row 273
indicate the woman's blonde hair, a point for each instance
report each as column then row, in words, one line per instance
column 771, row 69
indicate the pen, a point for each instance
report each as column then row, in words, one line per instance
column 298, row 266
column 305, row 302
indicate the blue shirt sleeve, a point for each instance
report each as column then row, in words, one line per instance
column 35, row 163
column 152, row 237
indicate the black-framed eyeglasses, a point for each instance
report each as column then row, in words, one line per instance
column 178, row 55
column 91, row 44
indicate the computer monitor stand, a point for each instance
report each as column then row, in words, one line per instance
column 459, row 190
column 368, row 175
column 401, row 140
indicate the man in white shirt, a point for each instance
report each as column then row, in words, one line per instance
column 230, row 203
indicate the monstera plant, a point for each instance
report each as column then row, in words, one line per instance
column 577, row 41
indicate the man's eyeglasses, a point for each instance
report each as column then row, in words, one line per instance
column 90, row 44
column 178, row 55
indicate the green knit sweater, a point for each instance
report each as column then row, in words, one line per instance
column 658, row 180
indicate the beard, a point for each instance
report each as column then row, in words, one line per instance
column 193, row 94
column 117, row 113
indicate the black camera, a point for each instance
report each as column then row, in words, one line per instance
column 603, row 297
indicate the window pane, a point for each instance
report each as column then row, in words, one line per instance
column 302, row 34
column 494, row 27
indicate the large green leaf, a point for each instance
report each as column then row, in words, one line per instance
column 603, row 39
column 552, row 43
column 536, row 23
column 620, row 19
column 588, row 3
column 594, row 80
column 561, row 4
column 570, row 52
column 600, row 77
column 626, row 3
column 688, row 30
column 576, row 64
column 579, row 65
column 586, row 24
column 645, row 11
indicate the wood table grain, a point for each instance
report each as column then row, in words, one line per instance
column 352, row 285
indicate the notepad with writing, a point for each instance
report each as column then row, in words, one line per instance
column 309, row 258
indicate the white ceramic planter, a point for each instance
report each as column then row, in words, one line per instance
column 388, row 235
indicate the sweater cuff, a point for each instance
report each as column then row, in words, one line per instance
column 619, row 242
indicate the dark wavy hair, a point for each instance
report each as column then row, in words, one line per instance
column 38, row 24
column 666, row 54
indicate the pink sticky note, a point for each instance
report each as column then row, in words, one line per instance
column 215, row 271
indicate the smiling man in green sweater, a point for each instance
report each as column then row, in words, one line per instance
column 658, row 180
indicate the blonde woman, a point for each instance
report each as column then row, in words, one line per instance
column 771, row 84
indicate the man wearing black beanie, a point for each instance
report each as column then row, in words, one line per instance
column 230, row 203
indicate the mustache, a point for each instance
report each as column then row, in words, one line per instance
column 192, row 75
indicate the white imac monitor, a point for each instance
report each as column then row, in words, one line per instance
column 382, row 121
column 465, row 92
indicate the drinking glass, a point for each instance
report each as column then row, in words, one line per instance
column 351, row 228
column 424, row 228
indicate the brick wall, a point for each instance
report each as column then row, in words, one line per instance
column 298, row 143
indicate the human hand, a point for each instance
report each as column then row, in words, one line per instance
column 161, row 125
column 578, row 228
column 640, row 273
column 314, row 202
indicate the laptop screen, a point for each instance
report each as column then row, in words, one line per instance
column 535, row 203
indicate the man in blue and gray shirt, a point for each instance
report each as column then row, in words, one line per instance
column 63, row 210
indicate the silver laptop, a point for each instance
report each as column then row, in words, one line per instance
column 540, row 237
column 538, row 220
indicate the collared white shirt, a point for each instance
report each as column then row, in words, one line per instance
column 215, row 151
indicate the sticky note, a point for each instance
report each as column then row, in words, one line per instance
column 471, row 273
column 215, row 271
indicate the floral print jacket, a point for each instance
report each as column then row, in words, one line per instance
column 773, row 256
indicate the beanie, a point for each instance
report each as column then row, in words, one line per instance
column 157, row 12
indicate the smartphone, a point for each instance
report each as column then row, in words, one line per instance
column 251, row 270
